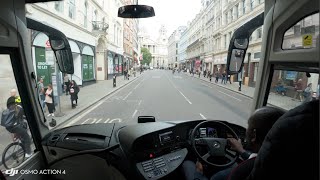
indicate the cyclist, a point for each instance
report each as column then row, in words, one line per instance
column 12, row 120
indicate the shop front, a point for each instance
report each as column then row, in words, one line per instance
column 88, row 65
column 116, row 64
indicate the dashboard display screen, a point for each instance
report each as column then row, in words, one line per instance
column 166, row 137
column 212, row 132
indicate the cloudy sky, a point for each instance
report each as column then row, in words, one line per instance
column 171, row 13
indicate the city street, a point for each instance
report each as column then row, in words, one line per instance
column 168, row 97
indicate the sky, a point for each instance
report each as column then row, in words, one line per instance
column 171, row 13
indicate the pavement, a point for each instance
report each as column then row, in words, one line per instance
column 274, row 99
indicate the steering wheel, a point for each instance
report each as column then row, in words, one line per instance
column 217, row 147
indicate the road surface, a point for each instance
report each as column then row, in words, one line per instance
column 168, row 97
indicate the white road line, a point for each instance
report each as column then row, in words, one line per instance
column 134, row 113
column 107, row 120
column 86, row 121
column 185, row 97
column 140, row 102
column 202, row 116
column 94, row 120
column 82, row 115
column 127, row 95
column 206, row 85
column 230, row 96
column 98, row 120
column 137, row 86
column 116, row 119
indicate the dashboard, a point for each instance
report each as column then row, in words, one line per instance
column 155, row 149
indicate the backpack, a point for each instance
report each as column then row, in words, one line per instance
column 9, row 118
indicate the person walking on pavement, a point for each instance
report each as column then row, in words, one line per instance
column 66, row 81
column 210, row 76
column 41, row 93
column 13, row 120
column 298, row 89
column 204, row 73
column 224, row 77
column 229, row 78
column 240, row 80
column 125, row 72
column 74, row 90
column 217, row 77
column 49, row 100
column 199, row 73
column 307, row 93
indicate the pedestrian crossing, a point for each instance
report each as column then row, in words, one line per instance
column 101, row 120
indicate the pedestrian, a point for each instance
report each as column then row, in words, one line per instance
column 74, row 90
column 298, row 89
column 217, row 77
column 204, row 73
column 13, row 120
column 66, row 81
column 49, row 100
column 13, row 93
column 307, row 93
column 224, row 78
column 210, row 76
column 125, row 73
column 199, row 73
column 41, row 94
column 229, row 78
column 240, row 80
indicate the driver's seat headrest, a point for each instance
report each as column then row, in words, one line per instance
column 291, row 146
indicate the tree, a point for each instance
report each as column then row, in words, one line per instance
column 146, row 56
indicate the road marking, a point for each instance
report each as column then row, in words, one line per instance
column 98, row 120
column 140, row 102
column 94, row 120
column 107, row 120
column 206, row 85
column 134, row 113
column 177, row 77
column 82, row 115
column 137, row 86
column 116, row 119
column 185, row 97
column 202, row 116
column 86, row 121
column 127, row 95
column 230, row 96
column 156, row 77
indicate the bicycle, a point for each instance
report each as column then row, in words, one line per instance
column 14, row 154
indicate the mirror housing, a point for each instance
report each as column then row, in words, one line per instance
column 59, row 44
column 239, row 44
column 136, row 11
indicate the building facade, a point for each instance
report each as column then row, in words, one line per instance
column 94, row 33
column 157, row 48
column 173, row 44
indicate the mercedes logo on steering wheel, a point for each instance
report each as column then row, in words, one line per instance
column 216, row 144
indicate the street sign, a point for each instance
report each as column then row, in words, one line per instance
column 307, row 40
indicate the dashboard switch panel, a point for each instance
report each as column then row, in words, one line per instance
column 161, row 166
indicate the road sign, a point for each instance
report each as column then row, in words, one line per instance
column 307, row 40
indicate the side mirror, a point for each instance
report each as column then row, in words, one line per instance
column 136, row 11
column 239, row 44
column 59, row 44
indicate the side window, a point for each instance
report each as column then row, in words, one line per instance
column 15, row 140
column 303, row 34
column 292, row 88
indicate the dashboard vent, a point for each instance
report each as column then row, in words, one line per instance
column 147, row 166
column 54, row 139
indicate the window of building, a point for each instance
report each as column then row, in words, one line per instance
column 237, row 11
column 231, row 15
column 257, row 55
column 85, row 19
column 225, row 18
column 58, row 6
column 72, row 9
column 259, row 33
column 243, row 6
column 225, row 41
column 251, row 4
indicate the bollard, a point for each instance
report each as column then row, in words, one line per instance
column 114, row 80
